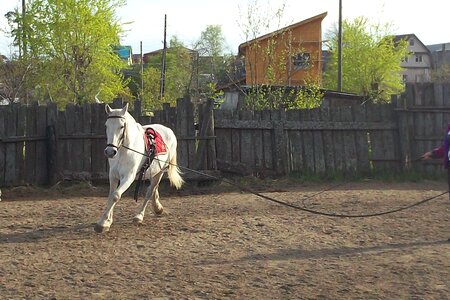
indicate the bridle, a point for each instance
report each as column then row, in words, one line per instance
column 122, row 137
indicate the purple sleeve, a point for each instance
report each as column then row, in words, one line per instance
column 438, row 152
column 442, row 151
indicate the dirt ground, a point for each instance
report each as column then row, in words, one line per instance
column 218, row 243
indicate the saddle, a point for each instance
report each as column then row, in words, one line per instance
column 154, row 146
column 154, row 142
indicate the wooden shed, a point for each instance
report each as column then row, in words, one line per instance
column 288, row 56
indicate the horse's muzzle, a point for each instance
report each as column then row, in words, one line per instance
column 110, row 152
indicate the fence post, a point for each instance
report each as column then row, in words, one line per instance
column 403, row 130
column 52, row 140
column 137, row 112
column 211, row 141
column 117, row 103
column 280, row 152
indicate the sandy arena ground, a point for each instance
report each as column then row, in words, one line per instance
column 219, row 243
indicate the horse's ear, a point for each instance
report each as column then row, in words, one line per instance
column 107, row 109
column 124, row 109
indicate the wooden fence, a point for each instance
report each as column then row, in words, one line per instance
column 317, row 141
column 424, row 113
column 42, row 145
column 357, row 139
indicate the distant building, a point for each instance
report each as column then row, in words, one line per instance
column 296, row 54
column 440, row 54
column 418, row 65
column 136, row 58
column 125, row 53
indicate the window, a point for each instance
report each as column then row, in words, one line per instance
column 418, row 58
column 405, row 59
column 411, row 42
column 405, row 78
column 301, row 61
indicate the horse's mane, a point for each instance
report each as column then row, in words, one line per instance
column 131, row 121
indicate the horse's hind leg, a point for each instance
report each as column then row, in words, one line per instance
column 152, row 193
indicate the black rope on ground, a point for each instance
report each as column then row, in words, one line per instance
column 335, row 215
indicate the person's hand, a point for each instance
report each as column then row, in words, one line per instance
column 426, row 155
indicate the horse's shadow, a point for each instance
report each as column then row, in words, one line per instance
column 31, row 236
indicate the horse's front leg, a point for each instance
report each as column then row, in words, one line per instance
column 115, row 193
column 152, row 193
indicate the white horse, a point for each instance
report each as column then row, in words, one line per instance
column 124, row 135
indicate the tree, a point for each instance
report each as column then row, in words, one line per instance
column 370, row 60
column 69, row 45
column 12, row 77
column 178, row 76
column 441, row 74
column 211, row 46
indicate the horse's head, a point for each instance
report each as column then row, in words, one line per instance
column 115, row 129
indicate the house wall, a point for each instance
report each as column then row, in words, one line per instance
column 417, row 70
column 305, row 38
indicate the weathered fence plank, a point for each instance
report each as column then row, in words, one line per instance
column 98, row 145
column 3, row 134
column 30, row 146
column 319, row 160
column 223, row 137
column 267, row 142
column 42, row 176
column 360, row 141
column 258, row 147
column 182, row 132
column 246, row 145
column 327, row 141
column 350, row 156
column 335, row 115
column 12, row 148
column 85, row 129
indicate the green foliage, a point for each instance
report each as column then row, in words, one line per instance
column 177, row 80
column 441, row 74
column 310, row 96
column 212, row 60
column 69, row 46
column 370, row 60
column 269, row 97
column 211, row 92
column 211, row 42
column 150, row 95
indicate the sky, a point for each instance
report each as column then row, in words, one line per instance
column 144, row 19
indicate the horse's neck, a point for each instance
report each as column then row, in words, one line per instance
column 134, row 129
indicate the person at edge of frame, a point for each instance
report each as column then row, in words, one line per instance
column 442, row 152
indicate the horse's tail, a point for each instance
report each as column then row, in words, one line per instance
column 174, row 173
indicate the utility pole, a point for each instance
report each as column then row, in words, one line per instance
column 163, row 66
column 340, row 48
column 142, row 73
column 24, row 36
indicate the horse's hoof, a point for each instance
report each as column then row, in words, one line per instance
column 159, row 212
column 137, row 220
column 100, row 229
